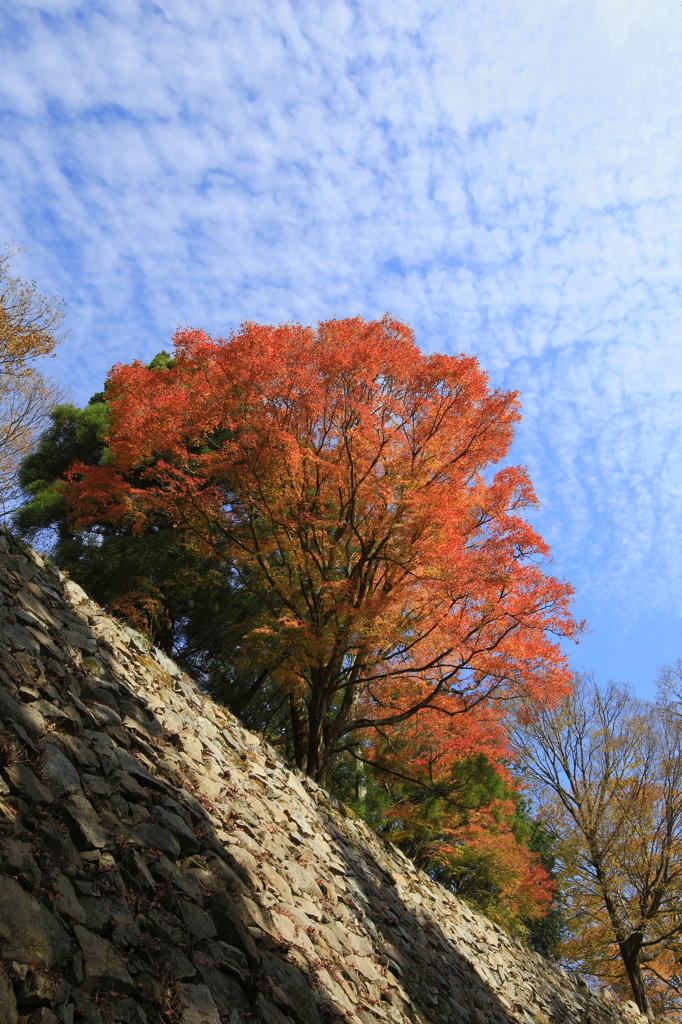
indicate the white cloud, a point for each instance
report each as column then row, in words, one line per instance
column 504, row 178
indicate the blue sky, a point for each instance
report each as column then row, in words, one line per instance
column 506, row 177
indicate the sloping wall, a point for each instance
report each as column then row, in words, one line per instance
column 160, row 864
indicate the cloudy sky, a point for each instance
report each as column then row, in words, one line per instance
column 503, row 175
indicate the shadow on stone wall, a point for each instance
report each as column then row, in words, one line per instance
column 159, row 865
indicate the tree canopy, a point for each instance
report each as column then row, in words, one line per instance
column 28, row 331
column 343, row 478
column 609, row 774
column 313, row 529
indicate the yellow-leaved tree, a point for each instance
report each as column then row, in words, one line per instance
column 28, row 331
column 607, row 774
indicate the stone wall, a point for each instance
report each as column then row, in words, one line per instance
column 158, row 863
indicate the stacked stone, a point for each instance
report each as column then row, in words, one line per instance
column 160, row 864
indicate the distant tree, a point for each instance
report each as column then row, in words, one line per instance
column 28, row 326
column 669, row 688
column 343, row 479
column 608, row 775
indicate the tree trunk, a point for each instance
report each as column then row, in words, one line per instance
column 299, row 731
column 360, row 781
column 316, row 762
column 318, row 716
column 629, row 951
column 631, row 946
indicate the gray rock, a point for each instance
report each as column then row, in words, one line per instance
column 66, row 900
column 16, row 856
column 40, row 989
column 205, row 878
column 223, row 986
column 71, row 720
column 109, row 916
column 28, row 932
column 138, row 873
column 105, row 749
column 103, row 968
column 227, row 957
column 23, row 714
column 79, row 639
column 104, row 696
column 127, row 1011
column 165, row 870
column 195, row 808
column 85, row 828
column 177, row 965
column 176, row 808
column 199, row 924
column 60, row 845
column 104, row 715
column 97, row 916
column 118, row 805
column 59, row 775
column 300, row 879
column 86, row 1008
column 24, row 783
column 189, row 843
column 97, row 785
column 229, row 878
column 74, row 749
column 141, row 716
column 198, row 1005
column 125, row 933
column 8, row 1003
column 138, row 640
column 150, row 990
column 229, row 926
column 28, row 694
column 270, row 1014
column 290, row 981
column 245, row 865
column 131, row 765
column 128, row 787
column 20, row 637
column 30, row 603
column 51, row 712
column 157, row 838
column 43, row 1015
column 167, row 927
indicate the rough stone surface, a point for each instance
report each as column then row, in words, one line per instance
column 29, row 933
column 103, row 969
column 66, row 902
column 58, row 774
column 8, row 1002
column 159, row 863
column 198, row 1005
column 23, row 782
column 24, row 715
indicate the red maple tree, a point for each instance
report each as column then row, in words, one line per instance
column 345, row 479
column 448, row 799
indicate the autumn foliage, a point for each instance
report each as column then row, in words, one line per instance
column 28, row 324
column 345, row 478
column 608, row 772
column 452, row 807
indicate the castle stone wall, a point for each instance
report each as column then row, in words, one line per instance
column 160, row 864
